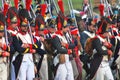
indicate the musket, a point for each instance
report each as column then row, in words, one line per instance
column 33, row 11
column 55, row 6
column 90, row 9
column 30, row 31
column 24, row 2
column 2, row 4
column 6, row 36
column 72, row 13
column 108, row 7
column 48, row 6
column 70, row 9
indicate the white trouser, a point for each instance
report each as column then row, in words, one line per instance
column 104, row 72
column 12, row 69
column 26, row 71
column 65, row 71
column 44, row 69
column 3, row 70
column 12, row 72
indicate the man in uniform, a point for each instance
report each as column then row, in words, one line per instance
column 63, row 46
column 12, row 29
column 102, row 52
column 25, row 44
column 42, row 66
column 89, row 33
column 5, row 50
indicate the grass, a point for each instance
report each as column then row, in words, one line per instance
column 77, row 4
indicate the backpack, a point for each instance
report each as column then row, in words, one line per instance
column 88, row 46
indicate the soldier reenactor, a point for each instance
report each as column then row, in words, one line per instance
column 51, row 26
column 63, row 46
column 89, row 33
column 25, row 44
column 21, row 45
column 12, row 29
column 101, row 50
column 42, row 66
column 5, row 50
column 12, row 23
column 77, row 51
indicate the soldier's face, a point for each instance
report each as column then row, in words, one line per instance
column 118, row 25
column 33, row 29
column 52, row 30
column 106, row 34
column 41, row 32
column 24, row 29
column 75, row 36
column 92, row 28
column 14, row 25
column 66, row 29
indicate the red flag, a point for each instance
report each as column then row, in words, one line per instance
column 28, row 4
column 61, row 6
column 16, row 3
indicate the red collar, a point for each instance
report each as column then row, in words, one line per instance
column 23, row 33
column 59, row 32
column 102, row 36
column 10, row 28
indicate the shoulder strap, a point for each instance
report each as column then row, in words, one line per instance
column 89, row 34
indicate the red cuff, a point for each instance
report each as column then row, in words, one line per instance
column 30, row 45
column 69, row 51
column 66, row 46
column 31, row 51
column 109, row 46
column 4, row 47
column 109, row 52
column 4, row 54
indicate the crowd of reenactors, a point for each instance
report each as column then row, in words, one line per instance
column 35, row 44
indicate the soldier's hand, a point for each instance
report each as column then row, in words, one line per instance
column 32, row 51
column 5, row 54
column 0, row 44
column 69, row 51
column 42, row 39
column 110, row 52
column 25, row 45
column 105, row 43
column 63, row 44
column 35, row 69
